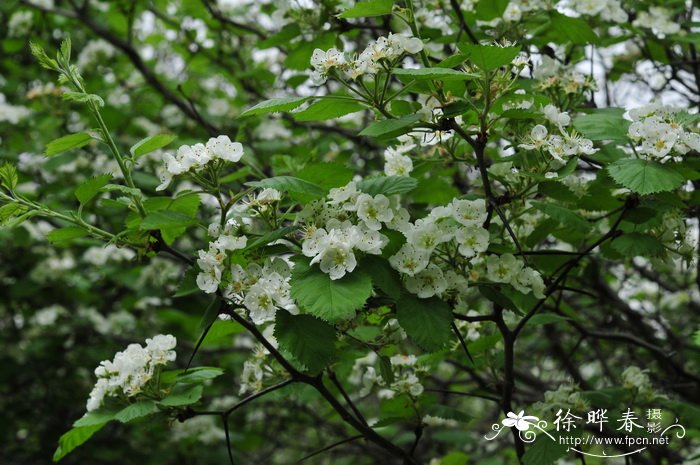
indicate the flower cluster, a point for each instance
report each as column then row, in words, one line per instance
column 405, row 368
column 508, row 269
column 193, row 157
column 659, row 20
column 371, row 60
column 560, row 146
column 131, row 370
column 211, row 261
column 555, row 77
column 656, row 131
column 608, row 10
column 262, row 289
column 396, row 163
column 348, row 221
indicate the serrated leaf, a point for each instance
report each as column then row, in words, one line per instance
column 368, row 8
column 387, row 185
column 443, row 74
column 65, row 143
column 383, row 275
column 74, row 438
column 426, row 321
column 8, row 176
column 89, row 189
column 291, row 185
column 81, row 97
column 391, row 127
column 188, row 284
column 311, row 341
column 66, row 234
column 275, row 105
column 183, row 396
column 489, row 57
column 603, row 124
column 96, row 417
column 644, row 177
column 136, row 410
column 331, row 300
column 149, row 144
column 328, row 109
column 637, row 245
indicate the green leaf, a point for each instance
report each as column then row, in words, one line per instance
column 604, row 124
column 199, row 374
column 387, row 185
column 275, row 105
column 149, row 144
column 386, row 370
column 290, row 184
column 328, row 109
column 572, row 30
column 383, row 275
column 8, row 176
column 368, row 8
column 74, row 438
column 162, row 219
column 11, row 210
column 486, row 10
column 65, row 143
column 326, row 175
column 391, row 127
column 637, row 244
column 489, row 57
column 311, row 341
column 563, row 215
column 331, row 300
column 443, row 74
column 644, row 177
column 66, row 234
column 96, row 417
column 89, row 189
column 545, row 451
column 183, row 396
column 139, row 409
column 426, row 321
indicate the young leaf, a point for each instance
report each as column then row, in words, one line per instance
column 368, row 8
column 89, row 189
column 8, row 176
column 275, row 105
column 65, row 143
column 426, row 321
column 488, row 57
column 387, row 185
column 328, row 109
column 443, row 74
column 331, row 300
column 391, row 127
column 311, row 341
column 11, row 210
column 149, row 144
column 199, row 375
column 644, row 177
column 74, row 438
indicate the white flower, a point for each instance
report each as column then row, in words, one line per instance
column 425, row 235
column 553, row 114
column 529, row 280
column 221, row 147
column 336, row 259
column 427, row 283
column 373, row 211
column 161, row 349
column 339, row 195
column 469, row 212
column 472, row 240
column 538, row 138
column 409, row 260
column 226, row 242
column 502, row 269
column 396, row 164
column 260, row 303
